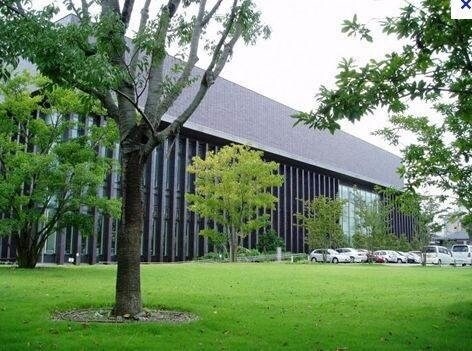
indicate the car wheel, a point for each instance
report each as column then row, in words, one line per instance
column 352, row 259
column 313, row 259
column 439, row 262
column 335, row 260
column 399, row 260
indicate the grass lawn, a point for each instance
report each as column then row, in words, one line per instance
column 264, row 306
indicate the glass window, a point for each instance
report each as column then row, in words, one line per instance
column 460, row 248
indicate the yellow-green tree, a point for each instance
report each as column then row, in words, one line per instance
column 232, row 188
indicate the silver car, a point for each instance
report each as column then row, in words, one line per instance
column 328, row 255
column 402, row 257
column 413, row 256
column 355, row 255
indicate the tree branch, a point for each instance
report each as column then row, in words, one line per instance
column 105, row 98
column 70, row 4
column 142, row 25
column 126, row 12
column 158, row 56
column 85, row 11
column 18, row 10
column 136, row 106
column 210, row 14
column 219, row 59
column 190, row 64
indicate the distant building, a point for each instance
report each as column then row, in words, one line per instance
column 453, row 232
column 313, row 163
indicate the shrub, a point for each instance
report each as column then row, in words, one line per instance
column 269, row 242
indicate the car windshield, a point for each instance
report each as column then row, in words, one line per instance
column 460, row 248
column 430, row 249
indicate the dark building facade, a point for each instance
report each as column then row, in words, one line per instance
column 313, row 163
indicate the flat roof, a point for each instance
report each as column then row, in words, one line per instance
column 236, row 113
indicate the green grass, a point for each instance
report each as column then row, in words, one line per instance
column 247, row 307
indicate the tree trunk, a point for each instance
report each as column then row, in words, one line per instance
column 26, row 253
column 233, row 247
column 128, row 280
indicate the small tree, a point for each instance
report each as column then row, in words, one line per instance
column 46, row 181
column 232, row 187
column 269, row 242
column 424, row 210
column 372, row 223
column 320, row 218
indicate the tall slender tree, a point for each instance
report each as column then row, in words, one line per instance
column 320, row 218
column 128, row 76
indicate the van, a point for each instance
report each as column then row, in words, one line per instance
column 462, row 254
column 438, row 255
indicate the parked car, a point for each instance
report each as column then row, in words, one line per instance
column 354, row 254
column 392, row 256
column 382, row 256
column 462, row 254
column 401, row 257
column 413, row 256
column 395, row 257
column 438, row 255
column 330, row 256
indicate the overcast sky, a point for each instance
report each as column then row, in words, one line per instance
column 304, row 49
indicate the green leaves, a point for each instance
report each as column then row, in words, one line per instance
column 353, row 28
column 47, row 181
column 435, row 65
column 320, row 218
column 437, row 56
column 233, row 188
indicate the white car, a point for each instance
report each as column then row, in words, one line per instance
column 355, row 255
column 438, row 255
column 462, row 254
column 401, row 257
column 413, row 257
column 330, row 256
column 396, row 257
column 382, row 256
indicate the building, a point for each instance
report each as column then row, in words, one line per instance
column 312, row 162
column 453, row 233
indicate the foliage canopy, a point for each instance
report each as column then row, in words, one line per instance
column 233, row 189
column 434, row 65
column 48, row 182
column 320, row 218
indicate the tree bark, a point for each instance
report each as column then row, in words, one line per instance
column 128, row 280
column 26, row 253
column 233, row 246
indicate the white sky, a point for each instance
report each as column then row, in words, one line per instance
column 303, row 52
column 304, row 49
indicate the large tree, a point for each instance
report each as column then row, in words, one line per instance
column 48, row 182
column 233, row 188
column 434, row 65
column 129, row 77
